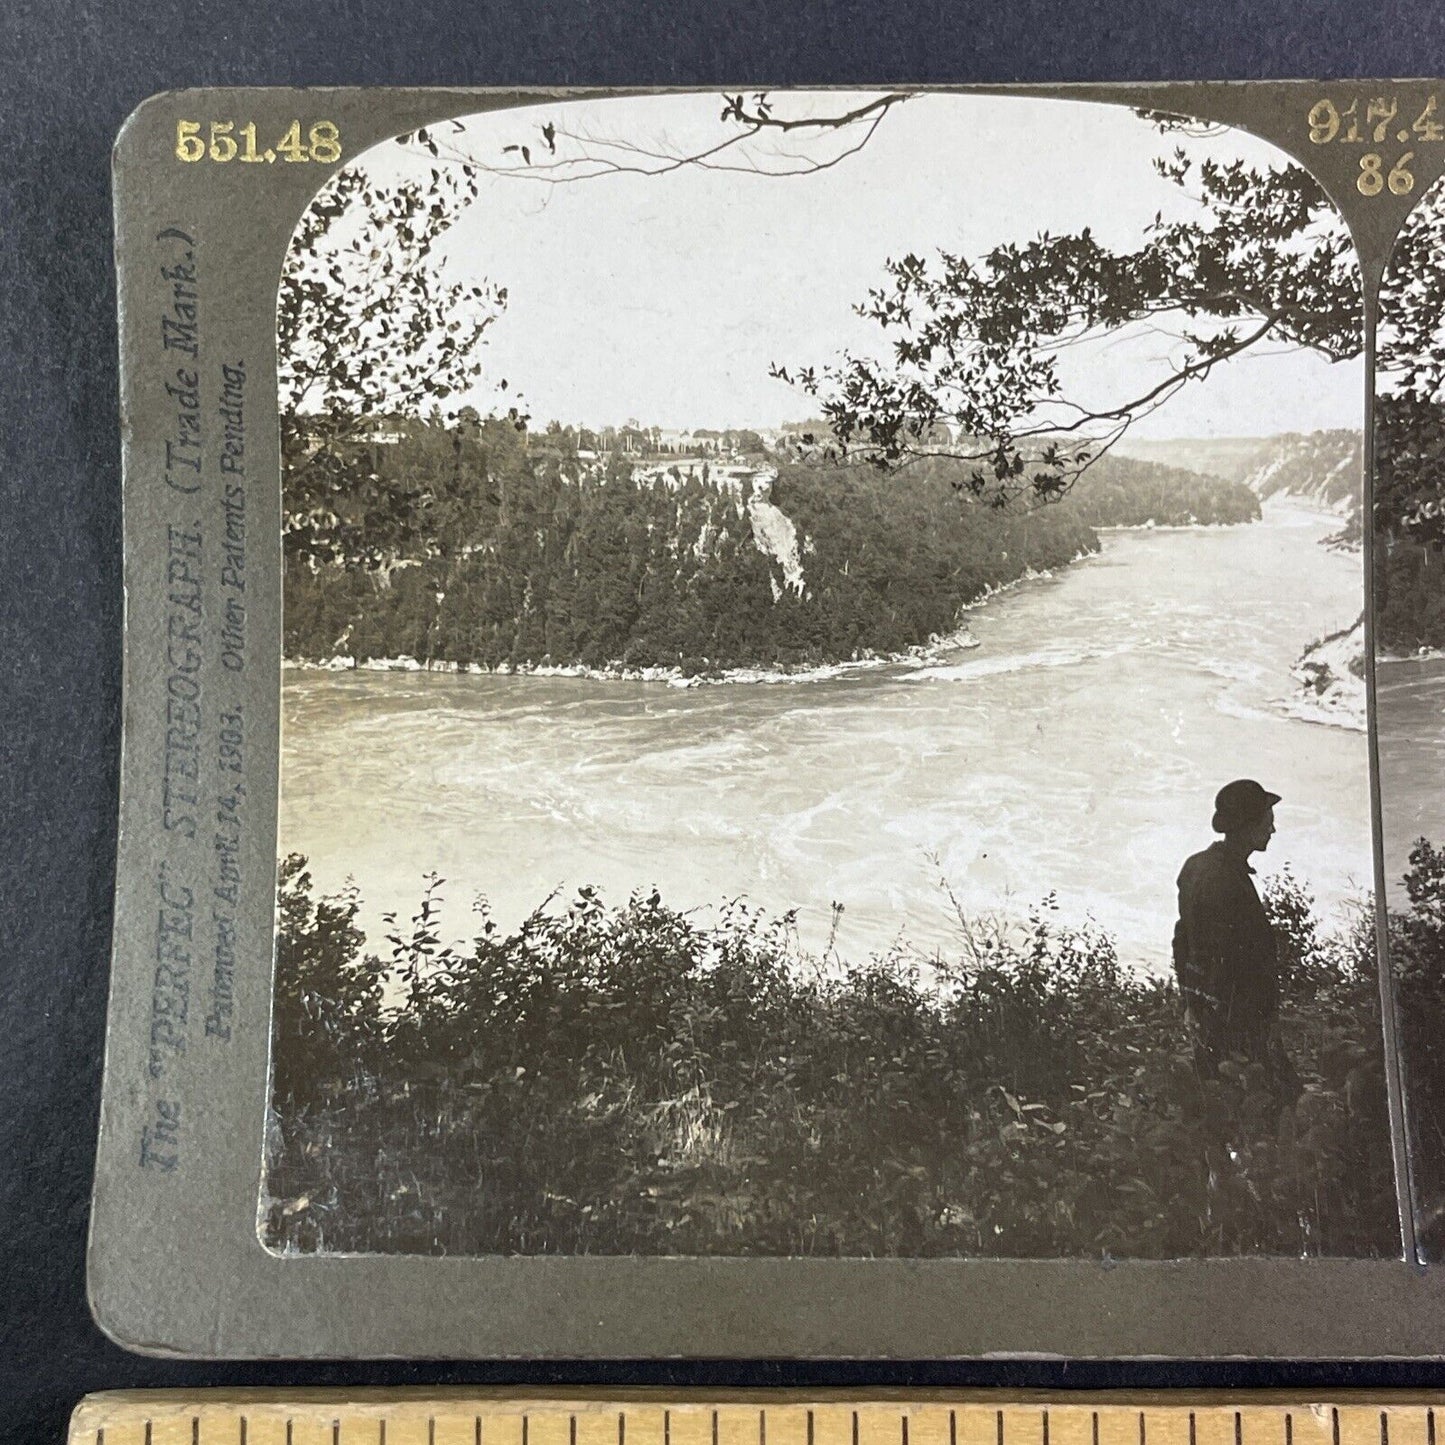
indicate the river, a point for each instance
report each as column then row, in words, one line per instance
column 1074, row 751
column 1411, row 693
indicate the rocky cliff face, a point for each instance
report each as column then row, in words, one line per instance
column 775, row 535
column 1331, row 677
column 1326, row 467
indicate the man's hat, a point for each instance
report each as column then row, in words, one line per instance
column 1240, row 803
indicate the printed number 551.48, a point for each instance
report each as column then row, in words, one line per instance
column 224, row 142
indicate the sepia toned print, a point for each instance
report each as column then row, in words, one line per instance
column 824, row 709
column 1409, row 613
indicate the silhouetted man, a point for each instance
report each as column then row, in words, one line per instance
column 1224, row 947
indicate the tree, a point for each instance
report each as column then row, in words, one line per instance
column 370, row 335
column 976, row 344
column 370, row 330
column 1410, row 382
column 328, row 996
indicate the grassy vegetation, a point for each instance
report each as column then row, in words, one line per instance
column 627, row 1080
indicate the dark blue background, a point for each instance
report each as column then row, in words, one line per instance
column 69, row 74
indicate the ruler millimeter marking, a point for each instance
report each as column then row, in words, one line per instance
column 418, row 1417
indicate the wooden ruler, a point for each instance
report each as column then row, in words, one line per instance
column 422, row 1417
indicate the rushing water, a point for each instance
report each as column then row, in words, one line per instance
column 1074, row 751
column 1411, row 700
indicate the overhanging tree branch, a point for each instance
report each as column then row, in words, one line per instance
column 976, row 344
column 543, row 157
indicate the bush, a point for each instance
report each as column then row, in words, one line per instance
column 1417, row 955
column 627, row 1080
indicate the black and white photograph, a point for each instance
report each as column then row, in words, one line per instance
column 824, row 693
column 1409, row 614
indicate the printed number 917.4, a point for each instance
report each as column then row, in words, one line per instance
column 225, row 143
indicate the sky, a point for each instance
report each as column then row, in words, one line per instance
column 665, row 298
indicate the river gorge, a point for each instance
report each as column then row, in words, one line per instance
column 1072, row 751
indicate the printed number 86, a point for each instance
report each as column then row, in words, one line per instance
column 1372, row 179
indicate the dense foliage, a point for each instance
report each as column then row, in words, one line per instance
column 487, row 545
column 1410, row 517
column 1123, row 492
column 1417, row 952
column 628, row 1079
column 1410, row 597
column 1410, row 435
column 1410, row 380
column 368, row 323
